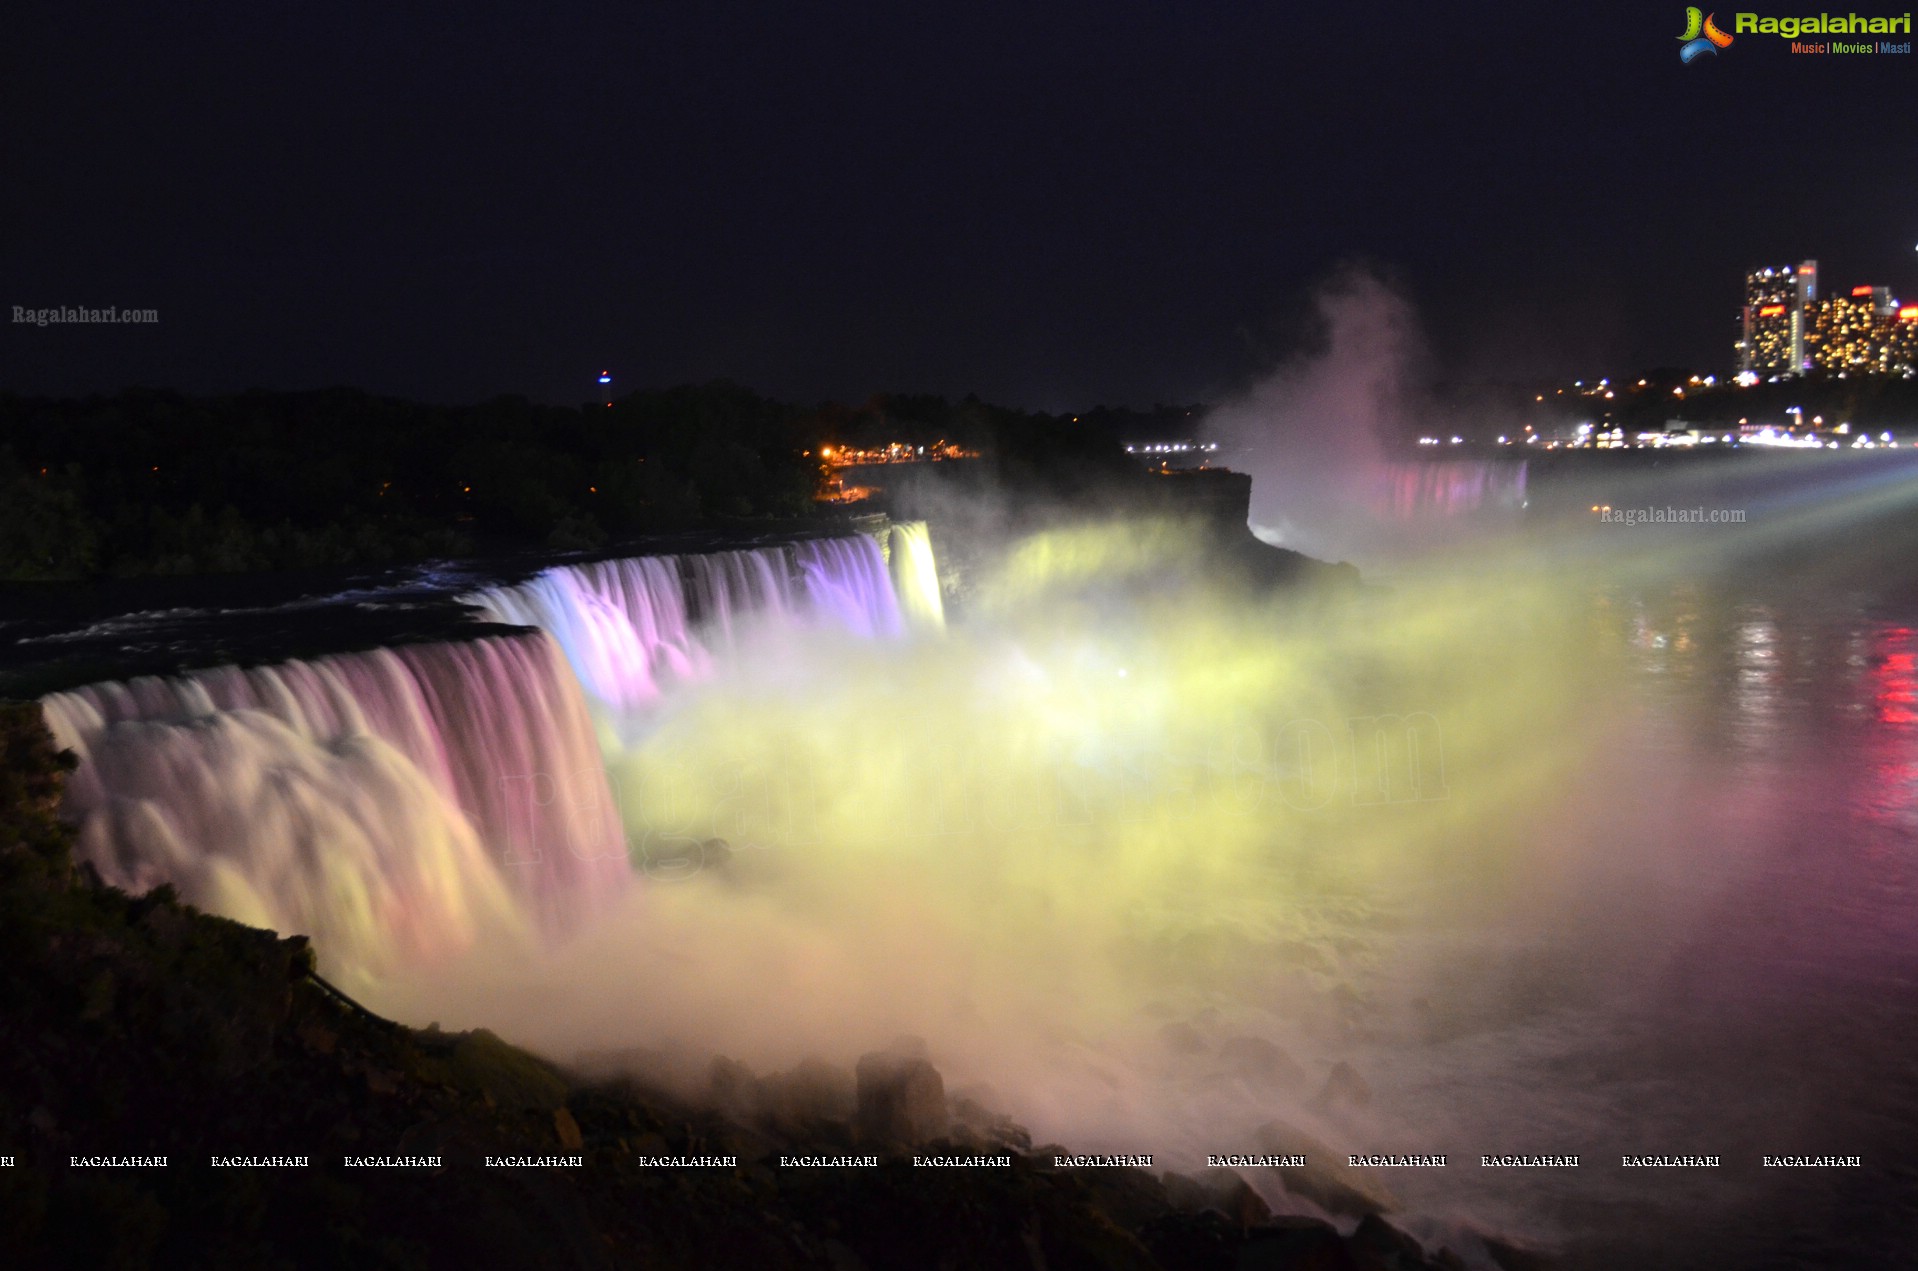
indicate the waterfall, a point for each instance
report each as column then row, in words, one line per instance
column 728, row 588
column 623, row 624
column 846, row 585
column 395, row 804
column 916, row 575
column 632, row 628
column 1417, row 489
column 400, row 805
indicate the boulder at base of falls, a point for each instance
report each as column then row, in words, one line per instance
column 1324, row 1179
column 901, row 1099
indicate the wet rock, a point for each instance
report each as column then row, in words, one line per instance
column 649, row 1066
column 812, row 1092
column 316, row 1036
column 1237, row 1200
column 1184, row 1192
column 1512, row 1256
column 568, row 1130
column 1379, row 1246
column 1220, row 1191
column 909, row 1046
column 1343, row 1088
column 1256, row 1059
column 301, row 962
column 1203, row 1241
column 842, row 1256
column 169, row 927
column 1045, row 1153
column 901, row 1100
column 731, row 1088
column 1295, row 1244
column 98, row 1003
column 993, row 1129
column 481, row 1063
column 1129, row 1197
column 1324, row 1179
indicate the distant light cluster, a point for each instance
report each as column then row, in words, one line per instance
column 1787, row 329
column 894, row 452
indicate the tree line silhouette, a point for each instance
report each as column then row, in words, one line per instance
column 151, row 481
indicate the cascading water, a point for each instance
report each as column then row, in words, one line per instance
column 622, row 623
column 845, row 583
column 727, row 588
column 394, row 804
column 632, row 628
column 916, row 575
column 1417, row 489
column 399, row 804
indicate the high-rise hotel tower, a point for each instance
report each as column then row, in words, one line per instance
column 1778, row 318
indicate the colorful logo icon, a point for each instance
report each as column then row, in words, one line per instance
column 1701, row 36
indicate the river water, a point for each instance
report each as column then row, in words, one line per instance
column 1723, row 961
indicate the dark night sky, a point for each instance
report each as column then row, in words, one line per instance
column 1050, row 205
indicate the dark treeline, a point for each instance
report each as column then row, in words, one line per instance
column 156, row 482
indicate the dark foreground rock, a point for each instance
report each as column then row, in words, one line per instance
column 901, row 1099
column 1334, row 1187
column 137, row 1027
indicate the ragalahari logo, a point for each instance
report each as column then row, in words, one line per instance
column 1701, row 36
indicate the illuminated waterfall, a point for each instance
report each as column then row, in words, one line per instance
column 623, row 624
column 400, row 805
column 631, row 628
column 395, row 804
column 728, row 587
column 846, row 585
column 916, row 575
column 1417, row 489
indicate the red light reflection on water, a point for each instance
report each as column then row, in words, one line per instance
column 1894, row 679
column 1890, row 796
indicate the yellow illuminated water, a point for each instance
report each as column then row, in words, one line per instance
column 1117, row 803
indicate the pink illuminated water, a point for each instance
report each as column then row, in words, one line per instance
column 390, row 802
column 623, row 624
column 401, row 804
column 1449, row 488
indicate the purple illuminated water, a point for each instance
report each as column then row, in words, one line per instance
column 401, row 804
column 1449, row 488
column 846, row 584
column 632, row 628
column 623, row 624
column 388, row 803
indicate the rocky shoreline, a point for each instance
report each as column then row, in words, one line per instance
column 140, row 1029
